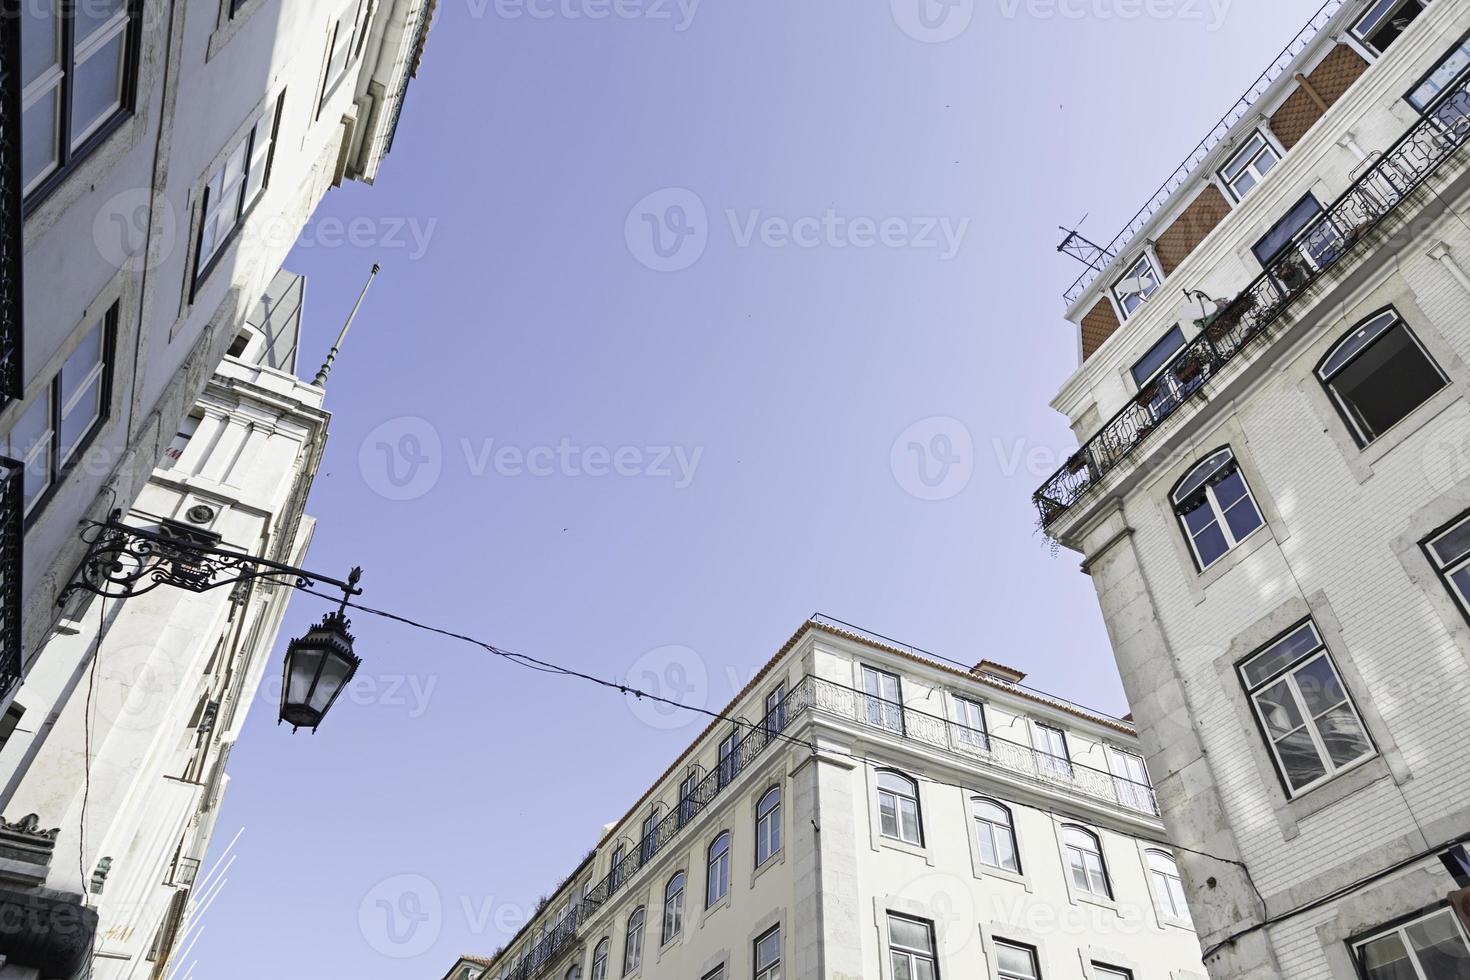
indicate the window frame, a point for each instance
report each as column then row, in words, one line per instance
column 633, row 941
column 1392, row 319
column 1097, row 850
column 1295, row 244
column 672, row 926
column 1217, row 510
column 1009, row 827
column 1146, row 261
column 1060, row 765
column 898, row 797
column 720, row 861
column 1031, row 952
column 769, row 819
column 911, row 954
column 1156, row 874
column 57, row 470
column 1461, row 45
column 774, row 719
column 200, row 266
column 1447, row 569
column 1118, row 972
column 728, row 764
column 601, row 953
column 361, row 18
column 69, row 158
column 688, row 786
column 773, row 967
column 968, row 733
column 888, row 708
column 1332, row 770
column 1358, row 942
column 1362, row 36
column 1267, row 147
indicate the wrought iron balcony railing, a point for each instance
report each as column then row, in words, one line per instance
column 814, row 694
column 12, row 525
column 12, row 241
column 1329, row 239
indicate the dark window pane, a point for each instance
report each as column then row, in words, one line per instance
column 1279, row 709
column 1442, row 951
column 1386, row 382
column 1319, row 686
column 1210, row 544
column 1343, row 736
column 1279, row 238
column 1158, row 356
column 1299, row 758
column 1243, row 518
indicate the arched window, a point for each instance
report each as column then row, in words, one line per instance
column 1084, row 856
column 996, row 834
column 1163, row 874
column 1378, row 374
column 1215, row 507
column 599, row 960
column 898, row 807
column 717, row 877
column 633, row 943
column 574, row 972
column 673, row 908
column 768, row 826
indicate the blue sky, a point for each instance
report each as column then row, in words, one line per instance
column 823, row 387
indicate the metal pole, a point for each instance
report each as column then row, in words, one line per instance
column 326, row 368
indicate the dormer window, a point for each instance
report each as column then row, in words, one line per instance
column 1136, row 286
column 1246, row 169
column 1385, row 21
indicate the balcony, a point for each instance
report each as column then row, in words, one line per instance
column 1330, row 240
column 815, row 696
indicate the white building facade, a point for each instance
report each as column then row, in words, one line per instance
column 870, row 812
column 1272, row 492
column 162, row 158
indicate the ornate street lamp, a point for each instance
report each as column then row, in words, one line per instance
column 124, row 561
column 318, row 666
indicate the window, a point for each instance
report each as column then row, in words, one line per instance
column 1430, row 947
column 686, row 798
column 633, row 944
column 1084, row 857
column 340, row 49
column 1102, row 972
column 51, row 434
column 1150, row 371
column 1136, row 286
column 996, row 834
column 1449, row 551
column 768, row 826
column 911, row 948
column 768, row 955
column 599, row 960
column 1453, row 112
column 78, row 78
column 898, row 807
column 1051, row 751
column 775, row 719
column 1015, row 962
column 1215, row 508
column 574, row 972
column 1378, row 374
column 971, row 718
column 648, row 840
column 1309, row 721
column 884, row 699
column 718, row 973
column 729, row 764
column 619, row 873
column 1299, row 244
column 717, row 875
column 673, row 908
column 1130, row 778
column 1163, row 875
column 235, row 187
column 1385, row 21
column 1246, row 169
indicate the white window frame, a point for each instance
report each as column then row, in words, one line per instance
column 971, row 726
column 1257, row 146
column 881, row 710
column 1167, row 885
column 717, row 870
column 633, row 941
column 1402, row 931
column 913, row 956
column 902, row 828
column 985, row 828
column 600, row 955
column 774, row 720
column 1318, row 650
column 673, row 923
column 1078, row 859
column 728, row 761
column 769, row 969
column 1144, row 266
column 1201, row 475
column 1135, row 788
column 768, row 826
column 228, row 198
column 1028, row 951
column 1047, row 758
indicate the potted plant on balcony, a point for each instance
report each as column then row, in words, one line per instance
column 1229, row 316
column 1189, row 366
column 1077, row 462
column 1292, row 273
column 1147, row 395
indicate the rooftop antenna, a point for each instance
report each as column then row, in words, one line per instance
column 326, row 368
column 1089, row 253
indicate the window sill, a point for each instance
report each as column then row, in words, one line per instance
column 984, row 871
column 230, row 25
column 775, row 859
column 881, row 842
column 711, row 910
column 1335, row 790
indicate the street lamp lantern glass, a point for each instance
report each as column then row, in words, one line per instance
column 318, row 666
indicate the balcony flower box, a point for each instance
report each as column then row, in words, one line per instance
column 1291, row 273
column 1077, row 462
column 1189, row 367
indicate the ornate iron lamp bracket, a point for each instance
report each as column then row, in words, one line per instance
column 123, row 561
